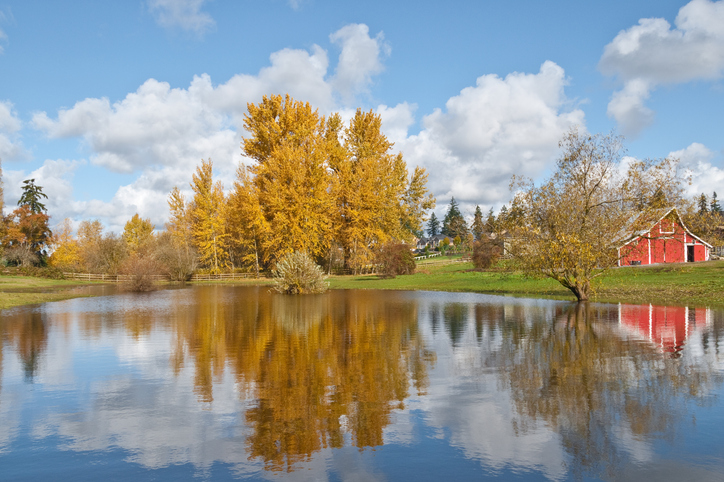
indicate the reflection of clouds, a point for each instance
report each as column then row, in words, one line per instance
column 464, row 399
column 106, row 382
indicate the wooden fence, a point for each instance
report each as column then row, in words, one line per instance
column 108, row 278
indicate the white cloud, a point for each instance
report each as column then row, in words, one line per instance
column 487, row 133
column 55, row 177
column 297, row 72
column 627, row 107
column 156, row 125
column 499, row 127
column 162, row 133
column 653, row 53
column 10, row 146
column 360, row 59
column 397, row 120
column 698, row 161
column 185, row 14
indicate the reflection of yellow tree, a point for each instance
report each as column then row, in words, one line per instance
column 586, row 381
column 319, row 367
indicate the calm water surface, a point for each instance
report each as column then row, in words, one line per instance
column 220, row 382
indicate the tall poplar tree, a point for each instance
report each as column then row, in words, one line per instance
column 207, row 213
column 291, row 176
column 372, row 185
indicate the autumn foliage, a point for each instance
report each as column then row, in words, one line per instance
column 314, row 186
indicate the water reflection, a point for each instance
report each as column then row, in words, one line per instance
column 271, row 383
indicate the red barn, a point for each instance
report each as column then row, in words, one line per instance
column 667, row 241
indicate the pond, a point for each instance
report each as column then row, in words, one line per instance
column 223, row 382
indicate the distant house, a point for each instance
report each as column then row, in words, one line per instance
column 667, row 240
column 432, row 242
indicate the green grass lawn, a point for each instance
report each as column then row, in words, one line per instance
column 690, row 284
column 26, row 290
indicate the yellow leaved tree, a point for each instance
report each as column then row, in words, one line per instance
column 290, row 177
column 66, row 250
column 137, row 234
column 207, row 214
column 375, row 201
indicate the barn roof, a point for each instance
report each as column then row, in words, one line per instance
column 653, row 219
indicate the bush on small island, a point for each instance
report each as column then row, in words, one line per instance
column 140, row 271
column 297, row 273
column 395, row 259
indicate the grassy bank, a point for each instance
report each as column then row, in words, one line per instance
column 682, row 284
column 700, row 284
column 26, row 290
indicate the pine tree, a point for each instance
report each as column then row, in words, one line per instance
column 703, row 204
column 454, row 224
column 31, row 197
column 714, row 205
column 433, row 226
column 490, row 222
column 478, row 226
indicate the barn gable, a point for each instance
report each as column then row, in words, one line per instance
column 667, row 240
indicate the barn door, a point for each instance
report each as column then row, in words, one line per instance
column 690, row 253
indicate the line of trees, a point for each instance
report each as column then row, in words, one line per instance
column 333, row 191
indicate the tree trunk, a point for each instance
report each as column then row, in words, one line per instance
column 580, row 290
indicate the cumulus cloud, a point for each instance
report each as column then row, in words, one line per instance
column 184, row 14
column 653, row 53
column 156, row 125
column 360, row 59
column 700, row 163
column 487, row 133
column 10, row 146
column 56, row 179
column 471, row 148
column 161, row 133
column 396, row 121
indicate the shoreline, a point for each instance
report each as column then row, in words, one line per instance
column 700, row 284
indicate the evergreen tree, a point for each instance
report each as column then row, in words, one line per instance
column 714, row 205
column 433, row 226
column 31, row 197
column 478, row 225
column 490, row 222
column 703, row 204
column 454, row 224
column 503, row 216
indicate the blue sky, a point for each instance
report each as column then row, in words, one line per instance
column 110, row 104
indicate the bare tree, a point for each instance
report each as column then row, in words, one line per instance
column 569, row 227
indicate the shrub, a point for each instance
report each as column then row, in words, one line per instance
column 485, row 253
column 22, row 256
column 297, row 273
column 395, row 259
column 140, row 271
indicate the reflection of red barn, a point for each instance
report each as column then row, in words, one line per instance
column 666, row 326
column 666, row 241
